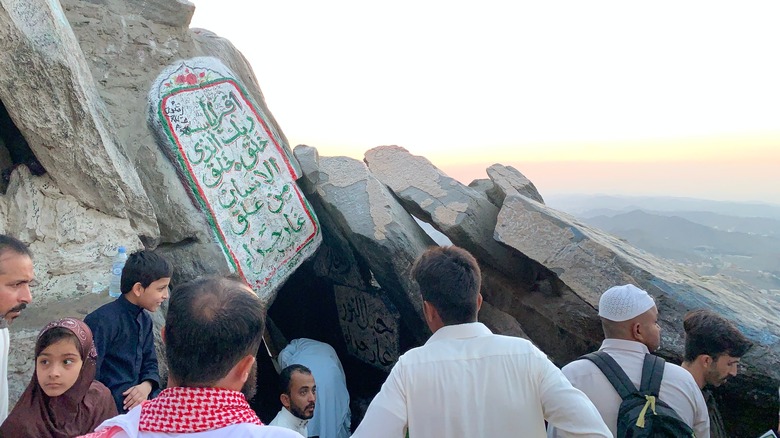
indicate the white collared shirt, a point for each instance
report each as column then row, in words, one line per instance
column 287, row 420
column 4, row 343
column 467, row 382
column 678, row 389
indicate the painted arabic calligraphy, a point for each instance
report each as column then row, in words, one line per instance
column 237, row 170
column 369, row 328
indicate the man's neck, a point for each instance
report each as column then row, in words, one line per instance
column 696, row 372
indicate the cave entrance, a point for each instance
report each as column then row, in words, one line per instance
column 305, row 307
column 14, row 150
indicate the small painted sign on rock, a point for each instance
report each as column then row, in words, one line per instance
column 369, row 327
column 236, row 169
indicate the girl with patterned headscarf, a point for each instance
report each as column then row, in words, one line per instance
column 63, row 398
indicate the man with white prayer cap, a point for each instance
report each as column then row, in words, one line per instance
column 629, row 318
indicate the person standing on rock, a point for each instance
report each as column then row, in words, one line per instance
column 466, row 381
column 629, row 318
column 127, row 360
column 212, row 332
column 16, row 274
column 713, row 349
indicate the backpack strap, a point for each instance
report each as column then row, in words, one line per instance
column 613, row 372
column 652, row 374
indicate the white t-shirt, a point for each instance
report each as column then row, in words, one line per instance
column 467, row 382
column 678, row 389
column 4, row 343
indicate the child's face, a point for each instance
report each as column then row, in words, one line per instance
column 153, row 296
column 58, row 367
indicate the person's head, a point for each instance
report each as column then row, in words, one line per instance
column 713, row 345
column 629, row 313
column 65, row 355
column 299, row 391
column 212, row 332
column 145, row 279
column 16, row 274
column 449, row 280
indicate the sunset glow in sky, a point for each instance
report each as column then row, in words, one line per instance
column 662, row 98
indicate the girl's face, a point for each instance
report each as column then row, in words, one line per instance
column 58, row 367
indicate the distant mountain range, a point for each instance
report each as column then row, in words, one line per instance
column 711, row 237
column 578, row 204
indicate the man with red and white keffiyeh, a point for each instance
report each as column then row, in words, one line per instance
column 212, row 331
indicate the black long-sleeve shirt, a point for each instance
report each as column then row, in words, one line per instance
column 125, row 345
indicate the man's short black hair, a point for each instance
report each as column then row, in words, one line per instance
column 144, row 267
column 212, row 323
column 708, row 333
column 285, row 377
column 8, row 243
column 449, row 279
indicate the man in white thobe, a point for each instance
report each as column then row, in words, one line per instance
column 466, row 381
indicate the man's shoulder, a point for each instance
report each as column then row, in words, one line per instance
column 675, row 375
column 256, row 430
column 101, row 313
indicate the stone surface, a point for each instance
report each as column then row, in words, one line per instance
column 508, row 180
column 369, row 326
column 464, row 215
column 382, row 233
column 240, row 176
column 48, row 90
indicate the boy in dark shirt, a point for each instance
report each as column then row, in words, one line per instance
column 127, row 361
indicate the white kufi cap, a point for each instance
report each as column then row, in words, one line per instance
column 621, row 303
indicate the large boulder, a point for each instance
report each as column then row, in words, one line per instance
column 545, row 310
column 381, row 232
column 49, row 92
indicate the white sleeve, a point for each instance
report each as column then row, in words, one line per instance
column 569, row 412
column 386, row 415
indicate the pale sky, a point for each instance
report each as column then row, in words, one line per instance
column 662, row 98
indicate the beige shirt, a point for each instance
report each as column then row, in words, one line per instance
column 467, row 382
column 678, row 389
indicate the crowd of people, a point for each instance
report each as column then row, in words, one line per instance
column 99, row 377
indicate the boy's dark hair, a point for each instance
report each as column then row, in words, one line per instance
column 450, row 279
column 285, row 377
column 8, row 243
column 144, row 267
column 708, row 333
column 54, row 335
column 211, row 324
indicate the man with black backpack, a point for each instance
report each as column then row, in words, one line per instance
column 637, row 393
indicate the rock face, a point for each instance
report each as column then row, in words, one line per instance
column 374, row 224
column 74, row 80
column 48, row 89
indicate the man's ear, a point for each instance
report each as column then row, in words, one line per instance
column 707, row 360
column 137, row 289
column 285, row 399
column 479, row 302
column 244, row 366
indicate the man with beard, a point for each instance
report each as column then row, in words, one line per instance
column 713, row 348
column 299, row 395
column 212, row 332
column 16, row 274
